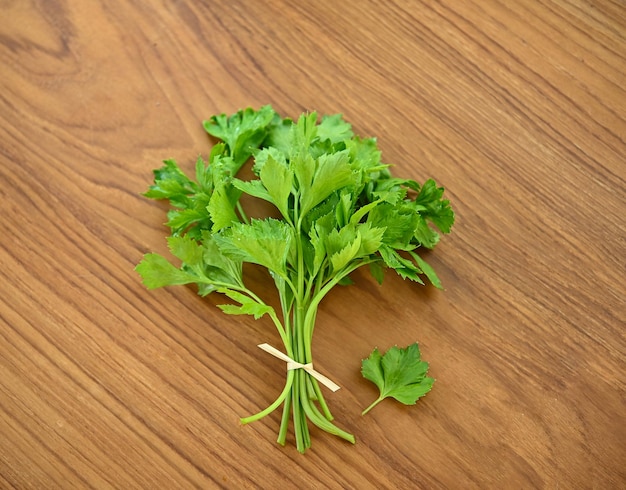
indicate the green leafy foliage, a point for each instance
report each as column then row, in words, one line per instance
column 157, row 272
column 248, row 305
column 339, row 209
column 399, row 373
column 242, row 132
column 265, row 242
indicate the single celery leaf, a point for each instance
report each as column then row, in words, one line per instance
column 398, row 221
column 399, row 373
column 333, row 172
column 392, row 194
column 221, row 207
column 243, row 132
column 437, row 210
column 424, row 234
column 303, row 165
column 304, row 132
column 362, row 211
column 343, row 257
column 377, row 271
column 204, row 173
column 264, row 154
column 371, row 239
column 338, row 239
column 186, row 249
column 344, row 209
column 280, row 135
column 334, row 128
column 403, row 267
column 156, row 272
column 213, row 257
column 248, row 305
column 278, row 179
column 171, row 183
column 254, row 188
column 200, row 260
column 204, row 176
column 219, row 267
column 188, row 220
column 264, row 242
column 364, row 153
column 223, row 168
column 188, row 198
column 325, row 211
column 428, row 271
column 318, row 235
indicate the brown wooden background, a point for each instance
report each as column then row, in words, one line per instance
column 517, row 107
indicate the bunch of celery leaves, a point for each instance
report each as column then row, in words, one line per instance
column 339, row 209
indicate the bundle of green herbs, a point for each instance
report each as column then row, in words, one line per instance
column 340, row 209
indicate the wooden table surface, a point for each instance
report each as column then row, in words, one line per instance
column 518, row 108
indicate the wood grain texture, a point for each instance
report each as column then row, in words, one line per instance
column 517, row 107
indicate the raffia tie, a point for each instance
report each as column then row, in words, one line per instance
column 291, row 365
